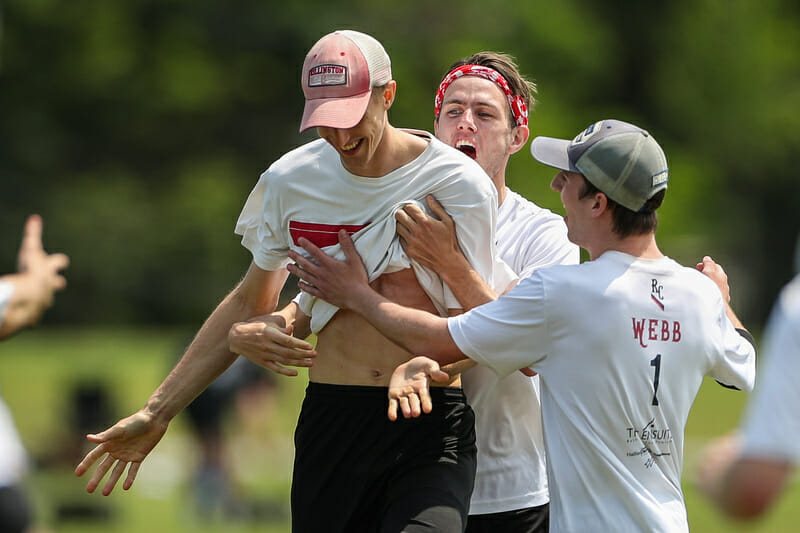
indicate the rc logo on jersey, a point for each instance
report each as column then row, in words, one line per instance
column 657, row 293
column 327, row 75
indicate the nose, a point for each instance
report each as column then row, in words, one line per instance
column 467, row 121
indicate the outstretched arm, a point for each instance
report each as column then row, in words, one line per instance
column 130, row 440
column 34, row 284
column 741, row 487
column 345, row 284
column 433, row 243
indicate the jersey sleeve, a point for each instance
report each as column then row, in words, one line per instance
column 6, row 291
column 734, row 362
column 260, row 227
column 475, row 228
column 507, row 334
column 771, row 426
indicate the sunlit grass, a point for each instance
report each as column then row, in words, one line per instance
column 40, row 368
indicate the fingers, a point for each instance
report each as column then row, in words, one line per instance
column 427, row 402
column 90, row 458
column 392, row 409
column 404, row 406
column 414, row 404
column 102, row 468
column 348, row 247
column 32, row 235
column 132, row 471
column 279, row 369
column 119, row 469
column 437, row 209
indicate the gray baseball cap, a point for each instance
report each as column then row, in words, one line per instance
column 622, row 160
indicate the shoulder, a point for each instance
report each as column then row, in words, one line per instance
column 303, row 157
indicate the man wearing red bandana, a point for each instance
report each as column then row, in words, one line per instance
column 481, row 108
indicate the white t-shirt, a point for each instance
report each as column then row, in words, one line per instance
column 772, row 420
column 508, row 420
column 308, row 193
column 13, row 460
column 621, row 346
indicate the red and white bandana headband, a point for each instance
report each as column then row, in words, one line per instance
column 517, row 104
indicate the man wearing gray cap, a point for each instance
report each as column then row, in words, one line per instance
column 621, row 342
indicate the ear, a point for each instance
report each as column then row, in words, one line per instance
column 599, row 205
column 389, row 92
column 519, row 136
column 436, row 127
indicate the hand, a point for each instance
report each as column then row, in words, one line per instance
column 715, row 460
column 266, row 343
column 717, row 275
column 127, row 442
column 431, row 241
column 408, row 387
column 336, row 282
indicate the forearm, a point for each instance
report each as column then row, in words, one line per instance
column 417, row 331
column 467, row 285
column 209, row 354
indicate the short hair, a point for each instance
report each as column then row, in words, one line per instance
column 507, row 67
column 625, row 221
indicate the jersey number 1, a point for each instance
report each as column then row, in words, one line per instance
column 656, row 363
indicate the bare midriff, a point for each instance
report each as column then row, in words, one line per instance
column 352, row 352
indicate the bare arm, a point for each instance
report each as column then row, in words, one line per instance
column 130, row 440
column 345, row 284
column 275, row 341
column 433, row 243
column 741, row 487
column 36, row 281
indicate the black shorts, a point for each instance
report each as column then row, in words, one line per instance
column 530, row 520
column 15, row 511
column 355, row 470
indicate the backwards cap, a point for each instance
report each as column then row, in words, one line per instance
column 338, row 75
column 622, row 160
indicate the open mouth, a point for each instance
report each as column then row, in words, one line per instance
column 468, row 148
column 352, row 147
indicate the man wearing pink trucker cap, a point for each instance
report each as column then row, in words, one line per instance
column 621, row 342
column 354, row 470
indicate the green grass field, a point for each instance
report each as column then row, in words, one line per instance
column 40, row 368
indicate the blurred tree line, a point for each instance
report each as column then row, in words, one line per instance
column 138, row 127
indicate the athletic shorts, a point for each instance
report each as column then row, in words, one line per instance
column 355, row 470
column 530, row 520
column 16, row 514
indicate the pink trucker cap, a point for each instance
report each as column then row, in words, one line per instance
column 338, row 75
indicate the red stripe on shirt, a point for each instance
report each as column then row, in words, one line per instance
column 321, row 235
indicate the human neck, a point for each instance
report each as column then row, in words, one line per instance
column 396, row 148
column 640, row 246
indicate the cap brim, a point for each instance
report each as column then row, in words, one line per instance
column 340, row 113
column 552, row 152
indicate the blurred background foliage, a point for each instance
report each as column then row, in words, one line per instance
column 137, row 128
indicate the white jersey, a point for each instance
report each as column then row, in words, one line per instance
column 621, row 346
column 772, row 421
column 508, row 421
column 308, row 193
column 13, row 460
